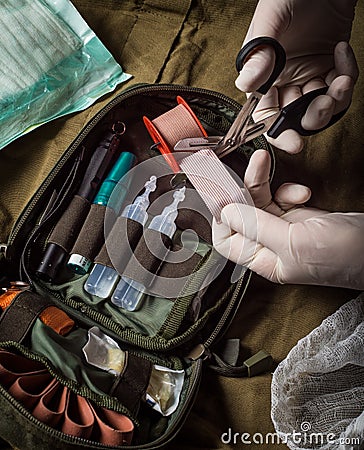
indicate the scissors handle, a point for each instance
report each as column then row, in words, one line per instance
column 291, row 115
column 279, row 64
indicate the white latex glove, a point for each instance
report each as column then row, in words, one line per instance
column 287, row 242
column 315, row 35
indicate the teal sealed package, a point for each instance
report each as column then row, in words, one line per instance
column 52, row 64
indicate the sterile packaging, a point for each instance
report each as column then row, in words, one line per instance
column 52, row 64
column 165, row 384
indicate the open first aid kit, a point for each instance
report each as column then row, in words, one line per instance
column 115, row 295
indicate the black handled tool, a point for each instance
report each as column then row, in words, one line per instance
column 244, row 128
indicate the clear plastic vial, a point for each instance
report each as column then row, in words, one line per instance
column 102, row 279
column 128, row 293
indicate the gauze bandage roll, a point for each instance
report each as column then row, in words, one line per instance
column 318, row 390
column 52, row 64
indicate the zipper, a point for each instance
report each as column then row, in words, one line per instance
column 125, row 95
column 202, row 351
column 223, row 322
column 190, row 394
column 83, row 311
column 89, row 317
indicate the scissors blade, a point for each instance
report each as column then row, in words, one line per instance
column 197, row 143
column 233, row 137
column 252, row 131
column 236, row 132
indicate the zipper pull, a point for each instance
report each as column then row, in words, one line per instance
column 3, row 250
column 261, row 362
column 199, row 352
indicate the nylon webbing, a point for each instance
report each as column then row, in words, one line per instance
column 51, row 316
column 18, row 318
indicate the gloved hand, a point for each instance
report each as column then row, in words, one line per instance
column 286, row 242
column 315, row 35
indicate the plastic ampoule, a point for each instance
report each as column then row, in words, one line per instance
column 102, row 279
column 128, row 293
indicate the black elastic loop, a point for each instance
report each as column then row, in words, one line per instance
column 19, row 317
column 280, row 61
column 292, row 114
column 222, row 368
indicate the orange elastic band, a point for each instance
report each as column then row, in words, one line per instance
column 7, row 298
column 57, row 319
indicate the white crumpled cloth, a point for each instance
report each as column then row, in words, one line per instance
column 318, row 390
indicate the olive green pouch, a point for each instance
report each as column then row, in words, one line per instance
column 186, row 311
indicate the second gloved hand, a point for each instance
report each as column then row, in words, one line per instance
column 287, row 242
column 315, row 35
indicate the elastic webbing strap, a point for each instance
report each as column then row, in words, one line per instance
column 19, row 317
column 131, row 386
column 212, row 181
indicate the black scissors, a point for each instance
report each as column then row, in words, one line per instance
column 244, row 128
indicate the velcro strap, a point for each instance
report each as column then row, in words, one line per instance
column 69, row 225
column 19, row 316
column 120, row 243
column 148, row 256
column 131, row 386
column 91, row 236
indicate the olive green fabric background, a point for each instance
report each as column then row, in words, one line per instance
column 195, row 42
